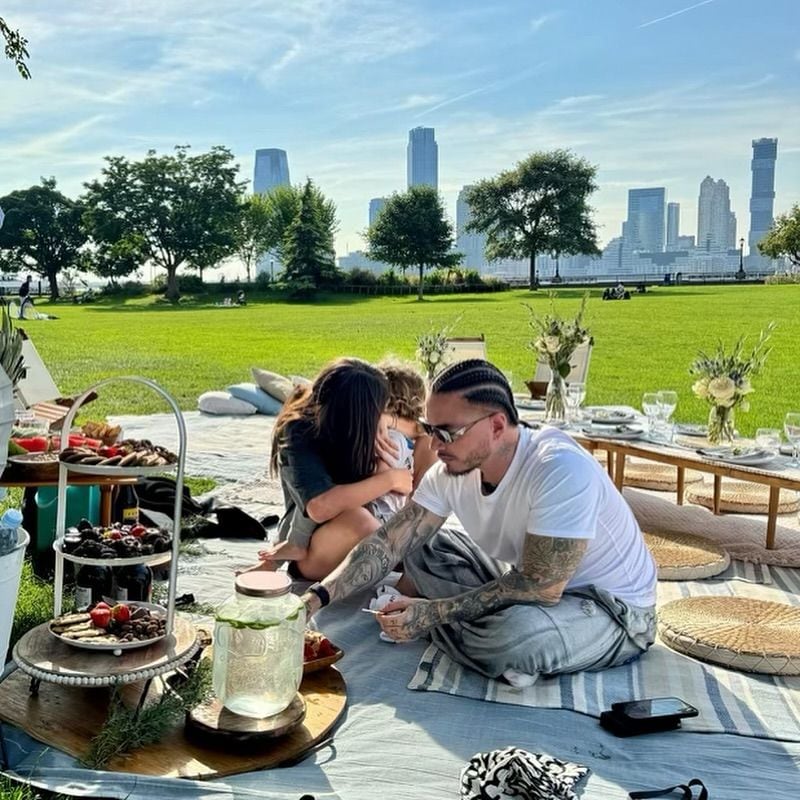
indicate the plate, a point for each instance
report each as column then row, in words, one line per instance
column 787, row 450
column 529, row 404
column 691, row 429
column 115, row 647
column 608, row 416
column 46, row 464
column 317, row 664
column 118, row 472
column 609, row 432
column 747, row 457
column 152, row 560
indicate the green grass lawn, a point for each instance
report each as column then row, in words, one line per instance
column 645, row 344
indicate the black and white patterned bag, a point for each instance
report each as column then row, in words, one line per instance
column 515, row 774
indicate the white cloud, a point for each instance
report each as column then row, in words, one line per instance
column 537, row 23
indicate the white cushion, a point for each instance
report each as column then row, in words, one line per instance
column 224, row 403
column 274, row 385
column 250, row 393
column 300, row 381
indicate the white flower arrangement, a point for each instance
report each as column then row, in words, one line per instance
column 433, row 348
column 555, row 339
column 723, row 381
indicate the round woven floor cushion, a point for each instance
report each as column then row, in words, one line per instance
column 735, row 632
column 685, row 557
column 742, row 498
column 650, row 475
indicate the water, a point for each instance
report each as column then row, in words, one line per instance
column 257, row 667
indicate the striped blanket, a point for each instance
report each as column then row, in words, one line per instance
column 762, row 706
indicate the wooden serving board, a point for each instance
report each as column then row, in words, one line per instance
column 67, row 718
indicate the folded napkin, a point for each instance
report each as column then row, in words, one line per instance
column 515, row 774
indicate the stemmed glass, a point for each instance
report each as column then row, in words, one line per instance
column 576, row 394
column 769, row 440
column 667, row 402
column 791, row 427
column 650, row 407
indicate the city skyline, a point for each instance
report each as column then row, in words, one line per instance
column 652, row 96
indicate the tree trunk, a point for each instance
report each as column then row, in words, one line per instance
column 52, row 277
column 247, row 268
column 534, row 281
column 419, row 288
column 173, row 293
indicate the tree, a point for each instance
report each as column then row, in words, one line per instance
column 171, row 210
column 255, row 234
column 413, row 231
column 540, row 206
column 16, row 48
column 42, row 232
column 307, row 248
column 783, row 239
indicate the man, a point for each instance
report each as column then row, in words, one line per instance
column 25, row 296
column 554, row 575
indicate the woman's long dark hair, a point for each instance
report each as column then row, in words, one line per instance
column 342, row 409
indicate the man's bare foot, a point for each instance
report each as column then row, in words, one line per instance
column 283, row 551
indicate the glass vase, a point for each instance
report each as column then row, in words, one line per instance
column 720, row 424
column 555, row 401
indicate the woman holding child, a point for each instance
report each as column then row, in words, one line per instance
column 343, row 450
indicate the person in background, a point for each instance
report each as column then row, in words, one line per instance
column 25, row 298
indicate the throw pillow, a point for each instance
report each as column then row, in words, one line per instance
column 250, row 393
column 224, row 403
column 299, row 380
column 273, row 384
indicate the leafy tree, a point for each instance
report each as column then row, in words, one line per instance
column 783, row 239
column 413, row 231
column 307, row 248
column 539, row 206
column 171, row 210
column 42, row 232
column 16, row 48
column 113, row 259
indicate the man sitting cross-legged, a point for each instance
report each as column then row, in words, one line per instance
column 554, row 575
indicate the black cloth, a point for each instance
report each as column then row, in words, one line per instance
column 24, row 289
column 304, row 476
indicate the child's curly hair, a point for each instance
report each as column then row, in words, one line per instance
column 406, row 389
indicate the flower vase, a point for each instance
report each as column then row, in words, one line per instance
column 721, row 424
column 555, row 401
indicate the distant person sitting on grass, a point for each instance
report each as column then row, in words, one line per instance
column 240, row 298
column 25, row 298
column 552, row 575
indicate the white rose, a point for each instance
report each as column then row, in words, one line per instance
column 722, row 389
column 745, row 387
column 552, row 344
column 700, row 388
column 434, row 358
column 540, row 346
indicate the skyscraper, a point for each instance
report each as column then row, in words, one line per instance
column 673, row 225
column 762, row 196
column 271, row 170
column 375, row 206
column 644, row 228
column 472, row 245
column 422, row 158
column 716, row 223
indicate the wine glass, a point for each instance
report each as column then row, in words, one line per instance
column 651, row 408
column 768, row 440
column 791, row 427
column 576, row 394
column 667, row 402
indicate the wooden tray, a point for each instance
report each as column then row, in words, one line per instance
column 317, row 664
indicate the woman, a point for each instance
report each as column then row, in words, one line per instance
column 326, row 448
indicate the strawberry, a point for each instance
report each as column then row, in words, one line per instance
column 101, row 617
column 121, row 612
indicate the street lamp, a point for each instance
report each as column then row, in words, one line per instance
column 741, row 275
column 557, row 276
column 271, row 271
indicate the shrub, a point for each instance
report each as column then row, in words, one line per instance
column 360, row 277
column 391, row 278
column 783, row 278
column 300, row 289
column 262, row 280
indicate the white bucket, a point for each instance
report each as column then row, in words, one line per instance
column 6, row 415
column 10, row 573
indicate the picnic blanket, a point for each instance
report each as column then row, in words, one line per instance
column 763, row 706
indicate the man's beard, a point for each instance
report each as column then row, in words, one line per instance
column 470, row 462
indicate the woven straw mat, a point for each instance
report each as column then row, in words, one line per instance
column 741, row 497
column 735, row 632
column 685, row 557
column 650, row 475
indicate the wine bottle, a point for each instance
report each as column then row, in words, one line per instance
column 126, row 507
column 133, row 583
column 92, row 584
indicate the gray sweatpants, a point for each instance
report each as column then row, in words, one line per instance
column 589, row 629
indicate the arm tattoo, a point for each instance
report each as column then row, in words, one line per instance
column 377, row 555
column 548, row 563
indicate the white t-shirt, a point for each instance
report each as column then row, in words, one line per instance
column 391, row 503
column 553, row 487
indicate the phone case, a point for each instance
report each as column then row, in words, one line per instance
column 625, row 726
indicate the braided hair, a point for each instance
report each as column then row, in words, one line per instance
column 479, row 382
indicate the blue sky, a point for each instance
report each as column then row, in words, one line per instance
column 655, row 92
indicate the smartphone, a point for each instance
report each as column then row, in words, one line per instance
column 648, row 715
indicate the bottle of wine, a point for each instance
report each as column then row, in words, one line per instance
column 92, row 584
column 133, row 583
column 126, row 506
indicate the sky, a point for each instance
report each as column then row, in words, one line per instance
column 653, row 92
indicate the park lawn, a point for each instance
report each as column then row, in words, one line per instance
column 642, row 345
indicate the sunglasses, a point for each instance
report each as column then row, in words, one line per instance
column 447, row 436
